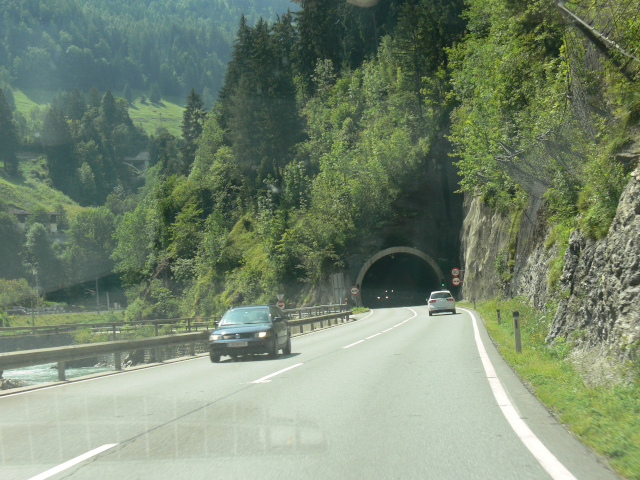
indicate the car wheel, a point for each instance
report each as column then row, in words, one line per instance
column 273, row 352
column 453, row 311
column 215, row 357
column 287, row 348
column 430, row 314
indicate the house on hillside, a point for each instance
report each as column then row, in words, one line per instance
column 22, row 215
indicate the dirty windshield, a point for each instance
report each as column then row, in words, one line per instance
column 315, row 169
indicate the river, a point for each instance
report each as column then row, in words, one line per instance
column 47, row 373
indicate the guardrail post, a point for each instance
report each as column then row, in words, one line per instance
column 499, row 322
column 61, row 373
column 57, row 337
column 189, row 325
column 117, row 361
column 114, row 332
column 474, row 303
column 516, row 330
column 156, row 324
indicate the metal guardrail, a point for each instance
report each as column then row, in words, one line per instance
column 28, row 358
column 188, row 324
column 61, row 355
column 315, row 311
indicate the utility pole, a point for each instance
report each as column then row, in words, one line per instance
column 97, row 297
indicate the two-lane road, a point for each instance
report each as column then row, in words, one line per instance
column 397, row 394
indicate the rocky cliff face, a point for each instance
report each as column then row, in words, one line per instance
column 486, row 238
column 484, row 235
column 600, row 285
column 599, row 295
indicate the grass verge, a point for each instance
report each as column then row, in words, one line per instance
column 607, row 419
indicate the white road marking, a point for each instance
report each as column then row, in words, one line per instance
column 548, row 461
column 370, row 313
column 352, row 344
column 415, row 314
column 266, row 379
column 52, row 471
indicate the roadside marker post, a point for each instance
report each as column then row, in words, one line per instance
column 498, row 316
column 516, row 330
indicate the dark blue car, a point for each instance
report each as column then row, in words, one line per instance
column 248, row 330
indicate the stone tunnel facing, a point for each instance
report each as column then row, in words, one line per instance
column 399, row 279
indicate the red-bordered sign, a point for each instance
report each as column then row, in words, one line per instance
column 354, row 290
column 456, row 281
column 455, row 272
column 280, row 304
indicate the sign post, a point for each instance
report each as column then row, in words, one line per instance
column 516, row 330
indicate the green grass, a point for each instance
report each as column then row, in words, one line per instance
column 150, row 116
column 153, row 116
column 24, row 102
column 606, row 419
column 30, row 189
column 65, row 318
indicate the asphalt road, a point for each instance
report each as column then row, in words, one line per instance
column 395, row 395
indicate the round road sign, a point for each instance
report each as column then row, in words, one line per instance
column 455, row 272
column 354, row 290
column 280, row 304
column 455, row 281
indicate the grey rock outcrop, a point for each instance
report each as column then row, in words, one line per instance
column 484, row 234
column 600, row 311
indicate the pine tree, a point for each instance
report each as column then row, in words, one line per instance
column 108, row 108
column 58, row 147
column 94, row 99
column 193, row 119
column 75, row 105
column 8, row 137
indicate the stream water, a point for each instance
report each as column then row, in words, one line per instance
column 47, row 373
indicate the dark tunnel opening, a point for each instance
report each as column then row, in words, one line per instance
column 398, row 280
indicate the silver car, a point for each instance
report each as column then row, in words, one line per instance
column 441, row 301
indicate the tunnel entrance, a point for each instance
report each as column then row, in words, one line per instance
column 399, row 276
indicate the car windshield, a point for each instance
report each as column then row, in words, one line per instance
column 245, row 316
column 290, row 181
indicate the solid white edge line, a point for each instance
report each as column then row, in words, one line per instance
column 387, row 330
column 52, row 471
column 370, row 313
column 548, row 461
column 374, row 335
column 266, row 379
column 354, row 343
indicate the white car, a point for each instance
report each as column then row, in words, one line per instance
column 441, row 301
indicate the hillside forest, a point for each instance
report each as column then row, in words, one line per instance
column 322, row 117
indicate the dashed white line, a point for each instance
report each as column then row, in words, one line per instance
column 415, row 314
column 268, row 377
column 354, row 343
column 548, row 461
column 81, row 458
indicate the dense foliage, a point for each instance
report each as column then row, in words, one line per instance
column 541, row 112
column 175, row 46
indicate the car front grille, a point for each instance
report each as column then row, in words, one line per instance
column 233, row 336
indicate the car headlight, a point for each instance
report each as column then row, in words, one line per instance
column 262, row 334
column 214, row 336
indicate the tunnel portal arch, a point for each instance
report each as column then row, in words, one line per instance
column 393, row 250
